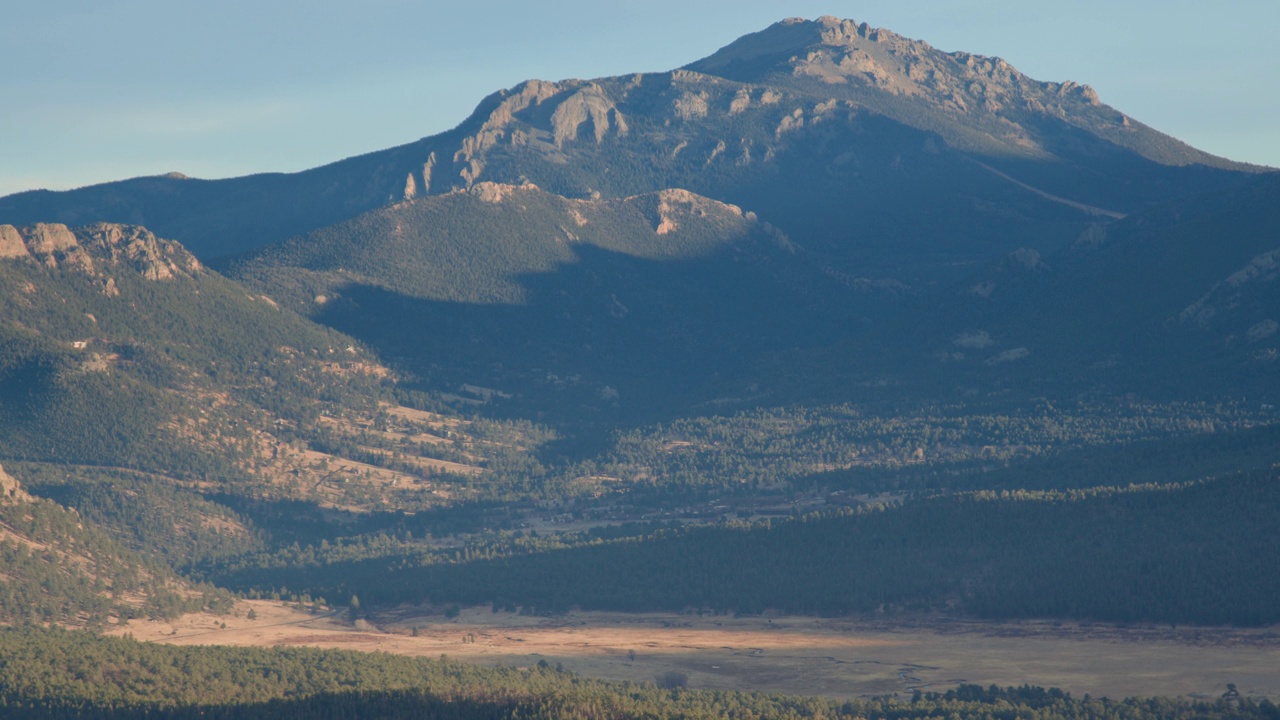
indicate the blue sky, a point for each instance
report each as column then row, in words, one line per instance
column 96, row 91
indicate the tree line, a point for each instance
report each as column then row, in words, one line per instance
column 1202, row 552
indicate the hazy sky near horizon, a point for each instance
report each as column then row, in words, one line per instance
column 103, row 91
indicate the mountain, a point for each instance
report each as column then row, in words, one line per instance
column 896, row 173
column 892, row 161
column 213, row 217
column 843, row 188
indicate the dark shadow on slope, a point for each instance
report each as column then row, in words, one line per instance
column 611, row 337
column 868, row 197
column 1174, row 303
column 303, row 522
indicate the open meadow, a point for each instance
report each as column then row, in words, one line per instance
column 802, row 655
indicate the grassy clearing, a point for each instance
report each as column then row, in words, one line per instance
column 812, row 656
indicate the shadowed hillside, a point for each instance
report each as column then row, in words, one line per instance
column 635, row 304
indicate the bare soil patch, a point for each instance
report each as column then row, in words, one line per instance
column 429, row 419
column 808, row 656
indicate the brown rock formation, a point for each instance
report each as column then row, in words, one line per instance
column 10, row 490
column 11, row 243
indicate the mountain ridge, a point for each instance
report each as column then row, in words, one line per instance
column 838, row 51
column 531, row 133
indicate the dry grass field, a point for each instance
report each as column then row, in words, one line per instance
column 834, row 657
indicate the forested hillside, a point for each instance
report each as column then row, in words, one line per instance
column 1199, row 553
column 619, row 309
column 60, row 570
column 121, row 349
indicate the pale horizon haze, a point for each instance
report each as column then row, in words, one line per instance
column 95, row 92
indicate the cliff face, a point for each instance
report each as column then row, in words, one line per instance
column 93, row 249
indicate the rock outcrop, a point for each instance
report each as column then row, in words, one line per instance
column 136, row 247
column 590, row 104
column 470, row 153
column 11, row 243
column 91, row 249
column 11, row 490
column 491, row 192
column 668, row 210
column 51, row 244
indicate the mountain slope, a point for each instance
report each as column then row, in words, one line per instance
column 129, row 370
column 60, row 569
column 601, row 303
column 122, row 349
column 1181, row 299
column 1200, row 553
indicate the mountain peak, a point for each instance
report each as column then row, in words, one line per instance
column 788, row 40
column 848, row 53
column 977, row 102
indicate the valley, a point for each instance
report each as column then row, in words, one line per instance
column 834, row 657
